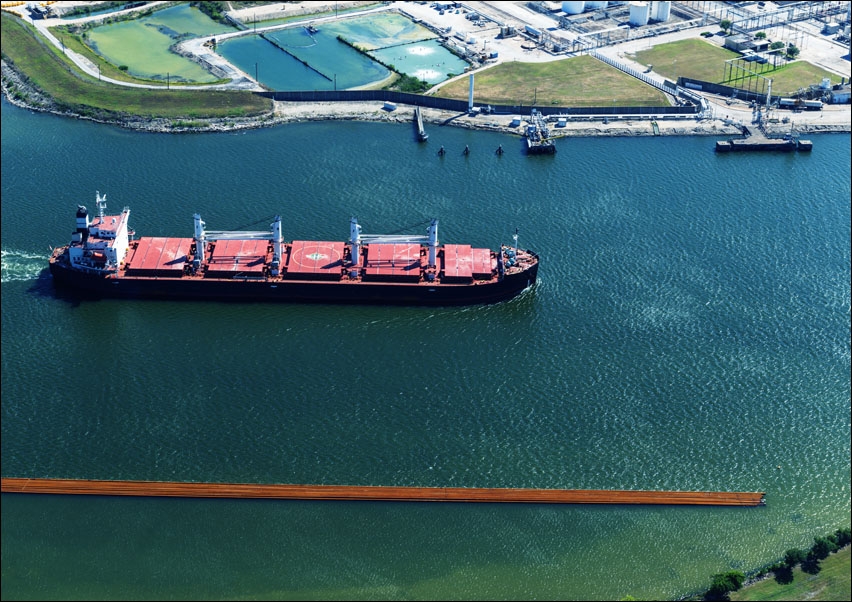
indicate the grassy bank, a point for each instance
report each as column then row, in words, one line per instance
column 586, row 82
column 581, row 81
column 702, row 60
column 49, row 70
column 831, row 583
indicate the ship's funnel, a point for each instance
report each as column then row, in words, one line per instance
column 82, row 222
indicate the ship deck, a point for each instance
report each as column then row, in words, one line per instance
column 403, row 263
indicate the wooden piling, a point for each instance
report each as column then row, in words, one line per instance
column 356, row 492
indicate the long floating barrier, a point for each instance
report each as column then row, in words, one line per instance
column 356, row 492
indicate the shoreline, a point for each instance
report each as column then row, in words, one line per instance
column 721, row 117
column 283, row 113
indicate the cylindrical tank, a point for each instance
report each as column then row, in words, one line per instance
column 595, row 5
column 661, row 11
column 573, row 8
column 640, row 12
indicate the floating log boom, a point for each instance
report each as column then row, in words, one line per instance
column 355, row 492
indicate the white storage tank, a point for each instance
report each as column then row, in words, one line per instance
column 640, row 13
column 573, row 8
column 595, row 5
column 661, row 11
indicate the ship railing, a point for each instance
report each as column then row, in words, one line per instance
column 90, row 269
column 391, row 239
column 235, row 235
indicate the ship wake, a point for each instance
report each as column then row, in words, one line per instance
column 17, row 266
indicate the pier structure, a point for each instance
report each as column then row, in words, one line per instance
column 538, row 135
column 758, row 140
column 421, row 131
column 377, row 493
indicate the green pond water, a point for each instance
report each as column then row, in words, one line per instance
column 291, row 58
column 143, row 44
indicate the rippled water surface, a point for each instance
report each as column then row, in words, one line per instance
column 690, row 330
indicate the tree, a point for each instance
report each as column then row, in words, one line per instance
column 792, row 51
column 794, row 556
column 811, row 564
column 823, row 547
column 783, row 573
column 760, row 35
column 843, row 537
column 724, row 583
column 776, row 45
column 725, row 24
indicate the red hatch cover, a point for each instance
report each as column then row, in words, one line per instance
column 482, row 263
column 315, row 257
column 239, row 256
column 458, row 261
column 160, row 254
column 393, row 260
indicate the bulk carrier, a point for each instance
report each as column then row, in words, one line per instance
column 105, row 259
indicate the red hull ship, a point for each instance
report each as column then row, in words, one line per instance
column 104, row 260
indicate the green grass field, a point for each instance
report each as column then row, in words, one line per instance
column 698, row 59
column 831, row 583
column 574, row 82
column 51, row 71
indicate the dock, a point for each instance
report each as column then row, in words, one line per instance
column 757, row 140
column 421, row 131
column 538, row 136
column 377, row 493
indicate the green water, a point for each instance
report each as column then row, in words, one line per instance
column 690, row 330
column 286, row 59
column 143, row 44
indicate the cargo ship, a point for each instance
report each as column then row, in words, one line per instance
column 105, row 259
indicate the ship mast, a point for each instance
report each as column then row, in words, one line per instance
column 355, row 241
column 101, row 203
column 199, row 241
column 433, row 243
column 277, row 245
